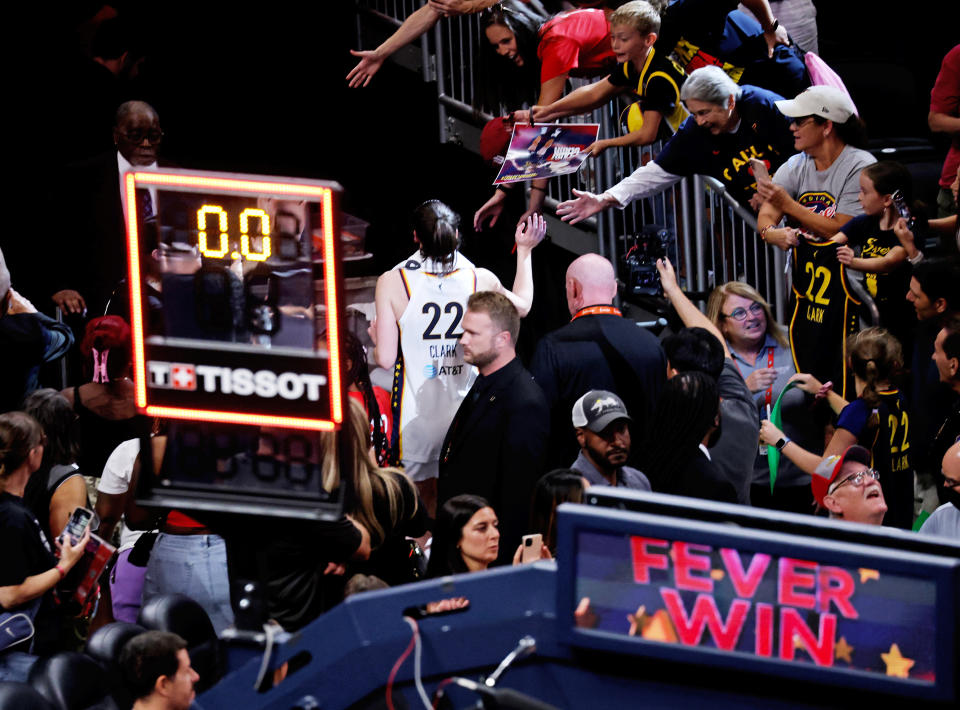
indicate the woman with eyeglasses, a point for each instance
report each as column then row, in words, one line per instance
column 759, row 349
column 877, row 420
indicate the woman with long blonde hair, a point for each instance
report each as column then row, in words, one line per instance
column 759, row 349
column 383, row 500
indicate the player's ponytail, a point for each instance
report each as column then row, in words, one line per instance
column 436, row 228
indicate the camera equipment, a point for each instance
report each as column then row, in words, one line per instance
column 638, row 267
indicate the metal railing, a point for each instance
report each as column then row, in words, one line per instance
column 716, row 239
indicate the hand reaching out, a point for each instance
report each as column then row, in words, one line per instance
column 806, row 382
column 370, row 63
column 585, row 205
column 490, row 209
column 530, row 231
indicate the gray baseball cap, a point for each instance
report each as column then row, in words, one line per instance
column 597, row 409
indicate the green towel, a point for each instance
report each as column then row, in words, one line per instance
column 773, row 454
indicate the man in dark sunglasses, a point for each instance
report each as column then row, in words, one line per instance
column 92, row 252
column 849, row 488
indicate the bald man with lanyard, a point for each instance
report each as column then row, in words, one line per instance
column 597, row 349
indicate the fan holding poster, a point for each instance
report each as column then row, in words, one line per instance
column 545, row 150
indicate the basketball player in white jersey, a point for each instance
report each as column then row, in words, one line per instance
column 420, row 304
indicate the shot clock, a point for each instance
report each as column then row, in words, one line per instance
column 236, row 305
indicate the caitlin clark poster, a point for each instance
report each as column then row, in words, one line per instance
column 545, row 150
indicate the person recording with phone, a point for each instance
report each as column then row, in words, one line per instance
column 872, row 243
column 30, row 568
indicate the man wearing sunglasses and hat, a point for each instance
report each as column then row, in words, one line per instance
column 848, row 488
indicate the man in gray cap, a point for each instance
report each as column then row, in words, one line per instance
column 603, row 432
column 848, row 488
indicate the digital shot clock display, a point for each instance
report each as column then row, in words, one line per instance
column 230, row 323
column 236, row 303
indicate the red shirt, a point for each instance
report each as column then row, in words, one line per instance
column 383, row 402
column 575, row 42
column 945, row 98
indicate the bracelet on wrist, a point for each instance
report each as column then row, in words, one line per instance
column 60, row 570
column 773, row 27
column 916, row 258
column 763, row 232
column 542, row 189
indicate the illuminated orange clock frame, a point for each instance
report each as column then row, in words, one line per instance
column 255, row 187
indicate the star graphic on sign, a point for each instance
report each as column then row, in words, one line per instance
column 798, row 643
column 866, row 574
column 897, row 664
column 842, row 651
column 638, row 620
column 717, row 575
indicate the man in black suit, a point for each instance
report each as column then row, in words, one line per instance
column 94, row 246
column 598, row 349
column 496, row 444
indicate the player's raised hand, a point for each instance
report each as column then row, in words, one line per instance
column 531, row 231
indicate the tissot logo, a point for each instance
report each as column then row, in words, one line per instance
column 183, row 377
column 240, row 381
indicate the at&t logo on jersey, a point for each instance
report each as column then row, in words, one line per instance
column 431, row 370
column 240, row 381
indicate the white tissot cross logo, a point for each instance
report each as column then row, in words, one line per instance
column 183, row 377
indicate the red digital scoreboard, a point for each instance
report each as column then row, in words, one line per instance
column 235, row 298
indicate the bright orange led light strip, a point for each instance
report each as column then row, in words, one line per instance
column 136, row 300
column 333, row 336
column 209, row 415
column 233, row 185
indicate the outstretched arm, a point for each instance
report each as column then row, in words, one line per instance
column 806, row 460
column 686, row 309
column 584, row 99
column 371, row 60
column 642, row 136
column 646, row 180
column 528, row 235
column 449, row 8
